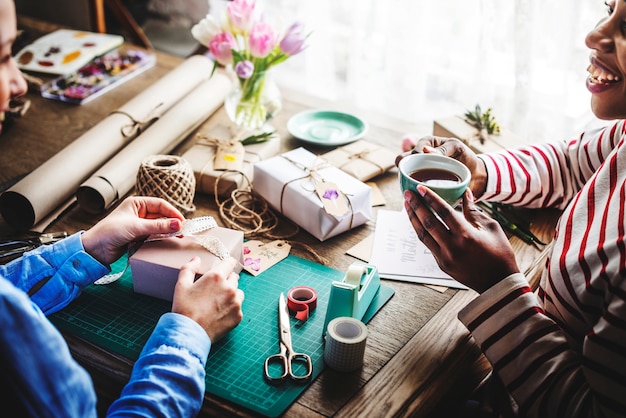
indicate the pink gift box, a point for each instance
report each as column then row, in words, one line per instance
column 156, row 264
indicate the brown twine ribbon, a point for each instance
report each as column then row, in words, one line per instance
column 169, row 177
column 361, row 155
column 137, row 126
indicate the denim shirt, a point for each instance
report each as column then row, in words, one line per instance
column 42, row 378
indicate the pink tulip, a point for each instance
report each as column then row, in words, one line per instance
column 262, row 40
column 293, row 42
column 221, row 47
column 240, row 14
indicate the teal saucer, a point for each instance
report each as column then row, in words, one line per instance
column 326, row 127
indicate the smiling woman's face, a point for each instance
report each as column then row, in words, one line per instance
column 607, row 70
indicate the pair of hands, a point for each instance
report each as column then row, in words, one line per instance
column 213, row 301
column 469, row 245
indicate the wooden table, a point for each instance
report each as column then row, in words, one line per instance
column 418, row 356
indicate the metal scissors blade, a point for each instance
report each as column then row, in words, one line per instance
column 287, row 357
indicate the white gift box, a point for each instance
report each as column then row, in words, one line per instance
column 288, row 183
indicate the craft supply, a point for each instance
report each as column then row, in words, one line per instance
column 116, row 178
column 346, row 338
column 235, row 369
column 169, row 177
column 29, row 201
column 98, row 76
column 353, row 295
column 190, row 227
column 297, row 366
column 302, row 300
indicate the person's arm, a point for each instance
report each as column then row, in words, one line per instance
column 53, row 275
column 534, row 359
column 548, row 174
column 39, row 376
column 168, row 378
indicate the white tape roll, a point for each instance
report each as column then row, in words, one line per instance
column 346, row 338
column 354, row 274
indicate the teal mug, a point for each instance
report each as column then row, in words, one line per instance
column 444, row 175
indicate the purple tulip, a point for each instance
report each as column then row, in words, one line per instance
column 244, row 69
column 293, row 42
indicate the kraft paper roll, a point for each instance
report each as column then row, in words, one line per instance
column 169, row 177
column 54, row 183
column 117, row 177
column 302, row 300
column 346, row 338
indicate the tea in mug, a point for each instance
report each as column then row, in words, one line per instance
column 435, row 177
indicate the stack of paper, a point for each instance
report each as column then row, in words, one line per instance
column 400, row 255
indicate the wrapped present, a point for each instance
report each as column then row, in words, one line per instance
column 457, row 127
column 312, row 193
column 227, row 162
column 156, row 264
column 362, row 159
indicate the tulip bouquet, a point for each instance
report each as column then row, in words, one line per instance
column 242, row 40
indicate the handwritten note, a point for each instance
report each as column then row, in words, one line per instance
column 400, row 255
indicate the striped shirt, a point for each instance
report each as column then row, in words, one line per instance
column 561, row 351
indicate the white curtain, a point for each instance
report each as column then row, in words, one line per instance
column 418, row 60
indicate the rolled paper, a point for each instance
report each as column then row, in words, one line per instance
column 117, row 177
column 302, row 300
column 54, row 182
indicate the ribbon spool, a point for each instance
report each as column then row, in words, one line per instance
column 169, row 177
column 302, row 300
column 346, row 338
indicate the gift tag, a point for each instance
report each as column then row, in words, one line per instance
column 332, row 198
column 259, row 256
column 229, row 156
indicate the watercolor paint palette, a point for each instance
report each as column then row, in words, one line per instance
column 64, row 51
column 98, row 76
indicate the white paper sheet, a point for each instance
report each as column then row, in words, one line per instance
column 400, row 255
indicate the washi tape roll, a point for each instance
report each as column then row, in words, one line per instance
column 302, row 300
column 346, row 338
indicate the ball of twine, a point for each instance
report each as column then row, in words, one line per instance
column 169, row 177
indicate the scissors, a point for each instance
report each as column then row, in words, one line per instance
column 287, row 358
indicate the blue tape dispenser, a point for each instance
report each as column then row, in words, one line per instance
column 353, row 295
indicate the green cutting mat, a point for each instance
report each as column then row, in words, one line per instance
column 116, row 318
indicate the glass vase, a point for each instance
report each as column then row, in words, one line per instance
column 254, row 101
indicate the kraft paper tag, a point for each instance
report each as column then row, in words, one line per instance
column 229, row 156
column 332, row 198
column 259, row 256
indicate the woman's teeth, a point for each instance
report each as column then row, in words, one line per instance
column 600, row 76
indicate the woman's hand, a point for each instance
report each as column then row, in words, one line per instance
column 214, row 300
column 471, row 247
column 134, row 219
column 453, row 148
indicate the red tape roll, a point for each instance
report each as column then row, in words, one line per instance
column 302, row 300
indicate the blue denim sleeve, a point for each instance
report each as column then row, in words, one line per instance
column 37, row 367
column 168, row 378
column 61, row 270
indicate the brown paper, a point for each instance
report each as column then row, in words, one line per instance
column 202, row 155
column 456, row 127
column 55, row 181
column 117, row 177
column 362, row 159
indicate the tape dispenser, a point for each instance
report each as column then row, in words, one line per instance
column 354, row 294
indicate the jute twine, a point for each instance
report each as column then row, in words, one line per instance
column 169, row 177
column 252, row 215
